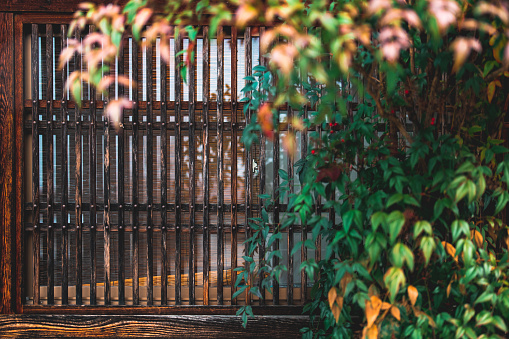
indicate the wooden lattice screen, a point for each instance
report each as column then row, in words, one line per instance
column 157, row 212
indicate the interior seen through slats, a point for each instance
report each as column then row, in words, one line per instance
column 148, row 215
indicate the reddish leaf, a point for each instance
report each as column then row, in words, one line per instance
column 329, row 173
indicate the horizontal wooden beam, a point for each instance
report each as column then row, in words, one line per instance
column 160, row 310
column 188, row 326
column 59, row 6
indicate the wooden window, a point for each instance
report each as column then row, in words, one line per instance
column 157, row 212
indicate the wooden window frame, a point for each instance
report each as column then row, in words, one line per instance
column 17, row 318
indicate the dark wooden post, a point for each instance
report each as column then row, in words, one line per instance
column 7, row 174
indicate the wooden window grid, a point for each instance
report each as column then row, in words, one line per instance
column 156, row 221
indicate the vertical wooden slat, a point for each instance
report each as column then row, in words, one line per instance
column 150, row 180
column 106, row 218
column 93, row 196
column 178, row 157
column 289, row 290
column 65, row 244
column 249, row 157
column 14, row 82
column 220, row 159
column 275, row 186
column 192, row 165
column 49, row 160
column 233, row 231
column 164, row 272
column 35, row 159
column 120, row 182
column 206, row 235
column 77, row 174
column 263, row 62
column 303, row 253
column 136, row 287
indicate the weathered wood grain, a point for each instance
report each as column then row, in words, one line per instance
column 134, row 170
column 19, row 181
column 35, row 160
column 48, row 145
column 233, row 229
column 70, row 326
column 164, row 214
column 178, row 164
column 192, row 174
column 220, row 165
column 206, row 149
column 7, row 166
column 150, row 179
column 64, row 161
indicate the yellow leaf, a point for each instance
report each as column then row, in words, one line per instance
column 496, row 52
column 491, row 91
column 298, row 124
column 373, row 307
column 449, row 289
column 345, row 281
column 412, row 294
column 449, row 249
column 336, row 311
column 372, row 332
column 332, row 296
column 386, row 306
column 506, row 74
column 477, row 237
column 339, row 301
column 396, row 313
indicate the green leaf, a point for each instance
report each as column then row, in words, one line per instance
column 485, row 297
column 420, row 226
column 459, row 227
column 239, row 291
column 377, row 219
column 394, row 279
column 427, row 247
column 500, row 323
column 395, row 198
column 396, row 220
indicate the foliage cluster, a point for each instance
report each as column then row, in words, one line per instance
column 404, row 102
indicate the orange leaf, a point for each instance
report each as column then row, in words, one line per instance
column 396, row 313
column 370, row 332
column 373, row 307
column 336, row 311
column 289, row 144
column 449, row 249
column 339, row 301
column 477, row 236
column 332, row 296
column 345, row 281
column 282, row 56
column 265, row 121
column 245, row 13
column 386, row 306
column 449, row 289
column 491, row 91
column 412, row 294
